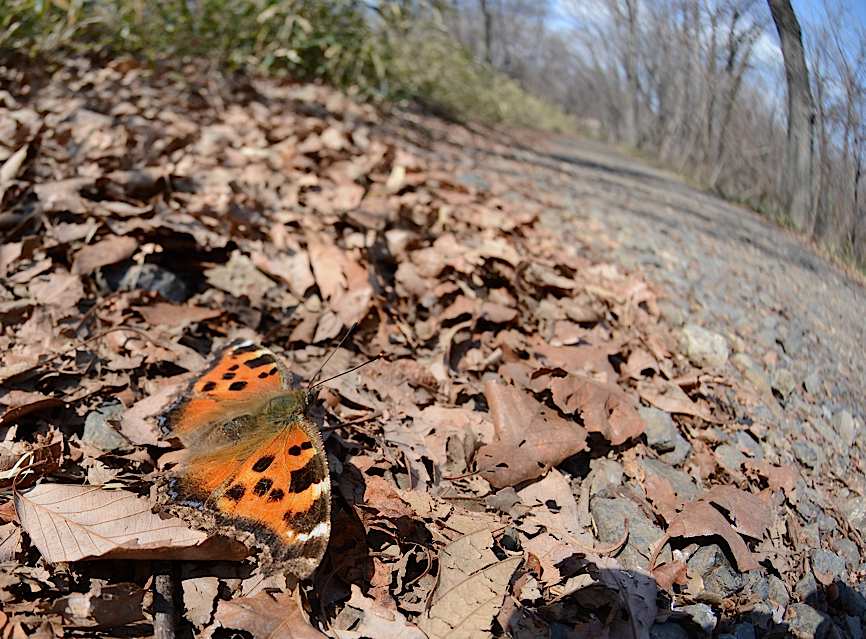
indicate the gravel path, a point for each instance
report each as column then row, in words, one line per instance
column 737, row 272
column 778, row 301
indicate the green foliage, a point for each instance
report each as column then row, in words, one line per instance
column 306, row 39
column 428, row 64
column 385, row 50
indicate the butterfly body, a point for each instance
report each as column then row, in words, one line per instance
column 254, row 463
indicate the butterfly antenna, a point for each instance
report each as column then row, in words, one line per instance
column 312, row 381
column 354, row 368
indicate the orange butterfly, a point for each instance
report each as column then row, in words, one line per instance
column 254, row 462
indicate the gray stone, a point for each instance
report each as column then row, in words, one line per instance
column 845, row 426
column 804, row 622
column 683, row 483
column 702, row 616
column 147, row 277
column 854, row 509
column 610, row 514
column 705, row 348
column 806, row 587
column 719, row 576
column 812, row 383
column 751, row 372
column 744, row 631
column 848, row 550
column 730, row 458
column 827, row 563
column 749, row 445
column 660, row 429
column 777, row 592
column 98, row 429
column 826, row 524
column 807, row 454
column 668, row 630
column 672, row 313
column 664, row 437
column 608, row 474
column 784, row 382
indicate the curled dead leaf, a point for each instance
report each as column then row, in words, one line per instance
column 700, row 519
column 604, row 408
column 529, row 437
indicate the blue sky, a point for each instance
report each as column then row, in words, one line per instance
column 812, row 10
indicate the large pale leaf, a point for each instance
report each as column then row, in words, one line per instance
column 71, row 523
column 472, row 586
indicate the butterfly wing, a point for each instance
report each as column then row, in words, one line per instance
column 279, row 490
column 241, row 379
column 254, row 461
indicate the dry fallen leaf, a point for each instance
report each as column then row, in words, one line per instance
column 751, row 515
column 471, row 588
column 700, row 519
column 604, row 408
column 105, row 605
column 267, row 616
column 180, row 315
column 72, row 523
column 669, row 397
column 666, row 575
column 10, row 541
column 529, row 437
column 108, row 251
column 365, row 617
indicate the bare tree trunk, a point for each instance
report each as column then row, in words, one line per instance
column 798, row 170
column 488, row 31
column 632, row 87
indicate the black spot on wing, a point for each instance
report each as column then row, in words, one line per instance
column 277, row 494
column 312, row 473
column 263, row 375
column 209, row 386
column 235, row 492
column 294, row 451
column 307, row 445
column 249, row 348
column 262, row 463
column 237, row 386
column 262, row 487
column 261, row 360
column 229, row 375
column 234, row 367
